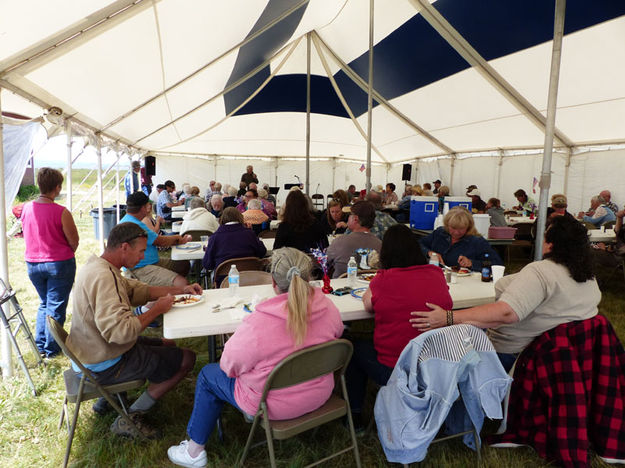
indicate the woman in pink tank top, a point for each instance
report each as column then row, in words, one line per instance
column 51, row 239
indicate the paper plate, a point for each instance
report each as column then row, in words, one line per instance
column 358, row 292
column 190, row 246
column 192, row 300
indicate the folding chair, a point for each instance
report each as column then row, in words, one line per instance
column 318, row 201
column 250, row 278
column 242, row 263
column 82, row 387
column 302, row 366
column 197, row 233
column 8, row 298
column 268, row 234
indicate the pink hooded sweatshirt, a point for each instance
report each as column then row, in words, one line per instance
column 262, row 341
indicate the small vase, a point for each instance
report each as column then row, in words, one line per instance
column 327, row 289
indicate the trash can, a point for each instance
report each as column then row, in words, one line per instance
column 109, row 217
column 122, row 210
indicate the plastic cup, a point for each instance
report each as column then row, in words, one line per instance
column 497, row 272
column 204, row 239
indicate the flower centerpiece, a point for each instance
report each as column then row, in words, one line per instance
column 322, row 259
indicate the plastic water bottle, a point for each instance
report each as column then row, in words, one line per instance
column 446, row 208
column 233, row 280
column 434, row 259
column 352, row 269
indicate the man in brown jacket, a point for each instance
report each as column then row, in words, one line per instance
column 105, row 331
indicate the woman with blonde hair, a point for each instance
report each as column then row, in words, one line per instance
column 298, row 316
column 457, row 242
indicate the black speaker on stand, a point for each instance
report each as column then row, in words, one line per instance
column 150, row 165
column 406, row 172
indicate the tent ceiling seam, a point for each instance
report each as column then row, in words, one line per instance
column 248, row 99
column 242, row 43
column 59, row 41
column 162, row 60
column 468, row 53
column 227, row 89
column 382, row 100
column 337, row 90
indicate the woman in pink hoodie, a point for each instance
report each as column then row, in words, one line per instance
column 299, row 316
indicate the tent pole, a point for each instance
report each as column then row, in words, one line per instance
column 545, row 176
column 339, row 94
column 7, row 356
column 68, row 183
column 499, row 165
column 308, row 113
column 451, row 172
column 369, row 97
column 117, row 186
column 567, row 168
column 352, row 75
column 100, row 193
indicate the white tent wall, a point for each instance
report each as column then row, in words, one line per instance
column 199, row 171
column 591, row 172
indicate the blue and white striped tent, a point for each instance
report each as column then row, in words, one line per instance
column 218, row 80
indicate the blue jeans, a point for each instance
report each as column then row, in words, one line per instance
column 507, row 360
column 364, row 364
column 213, row 388
column 53, row 282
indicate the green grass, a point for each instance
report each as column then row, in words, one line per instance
column 28, row 425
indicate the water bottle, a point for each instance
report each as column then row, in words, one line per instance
column 446, row 208
column 434, row 259
column 487, row 271
column 352, row 269
column 233, row 280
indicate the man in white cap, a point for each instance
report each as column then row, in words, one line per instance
column 478, row 205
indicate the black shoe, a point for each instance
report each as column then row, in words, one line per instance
column 103, row 407
column 359, row 427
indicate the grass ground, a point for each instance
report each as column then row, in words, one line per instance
column 28, row 425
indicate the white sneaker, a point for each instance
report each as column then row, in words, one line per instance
column 507, row 445
column 179, row 455
column 613, row 461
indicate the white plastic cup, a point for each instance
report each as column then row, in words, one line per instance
column 497, row 272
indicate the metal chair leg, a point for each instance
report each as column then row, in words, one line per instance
column 20, row 358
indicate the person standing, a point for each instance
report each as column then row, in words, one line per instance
column 51, row 238
column 248, row 176
column 132, row 181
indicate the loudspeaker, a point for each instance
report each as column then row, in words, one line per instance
column 150, row 165
column 406, row 172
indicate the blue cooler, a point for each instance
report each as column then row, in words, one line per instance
column 423, row 212
column 459, row 201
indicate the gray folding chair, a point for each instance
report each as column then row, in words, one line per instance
column 302, row 366
column 82, row 387
column 9, row 317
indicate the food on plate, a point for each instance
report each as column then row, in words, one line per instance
column 460, row 270
column 367, row 276
column 187, row 299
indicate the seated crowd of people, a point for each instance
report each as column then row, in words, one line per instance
column 106, row 330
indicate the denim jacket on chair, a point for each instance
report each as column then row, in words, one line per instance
column 432, row 371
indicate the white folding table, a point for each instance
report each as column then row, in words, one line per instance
column 199, row 320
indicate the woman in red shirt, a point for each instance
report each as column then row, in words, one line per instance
column 405, row 283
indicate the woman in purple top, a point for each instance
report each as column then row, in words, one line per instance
column 231, row 240
column 51, row 238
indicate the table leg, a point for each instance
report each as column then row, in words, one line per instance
column 212, row 349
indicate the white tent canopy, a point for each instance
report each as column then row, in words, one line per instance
column 223, row 79
column 153, row 75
